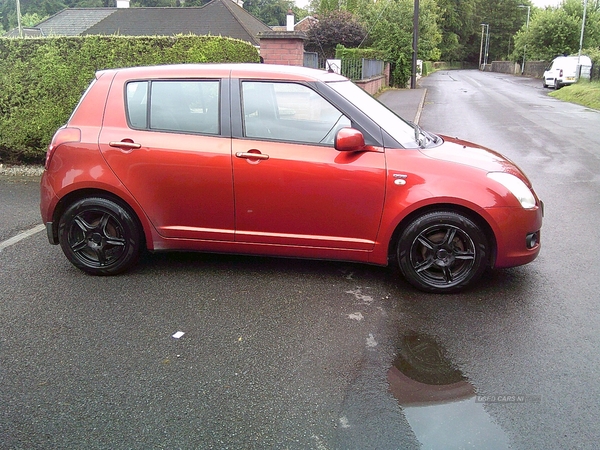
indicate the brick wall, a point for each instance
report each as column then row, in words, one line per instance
column 373, row 85
column 506, row 67
column 282, row 47
column 535, row 68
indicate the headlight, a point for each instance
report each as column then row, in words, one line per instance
column 516, row 187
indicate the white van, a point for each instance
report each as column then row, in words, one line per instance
column 563, row 70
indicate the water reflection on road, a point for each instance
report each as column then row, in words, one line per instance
column 438, row 401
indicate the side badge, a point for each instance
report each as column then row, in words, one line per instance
column 400, row 179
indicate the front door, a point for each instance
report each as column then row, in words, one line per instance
column 292, row 187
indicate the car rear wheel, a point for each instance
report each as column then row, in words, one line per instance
column 442, row 252
column 99, row 236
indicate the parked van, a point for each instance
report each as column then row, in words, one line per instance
column 563, row 70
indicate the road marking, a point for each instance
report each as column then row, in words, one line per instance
column 21, row 236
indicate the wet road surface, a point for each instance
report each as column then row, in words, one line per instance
column 325, row 355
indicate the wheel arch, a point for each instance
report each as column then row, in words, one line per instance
column 451, row 207
column 79, row 194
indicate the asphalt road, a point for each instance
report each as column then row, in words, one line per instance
column 299, row 354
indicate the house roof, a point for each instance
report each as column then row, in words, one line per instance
column 73, row 21
column 27, row 32
column 219, row 17
column 303, row 25
column 306, row 23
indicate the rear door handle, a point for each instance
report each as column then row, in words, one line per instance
column 125, row 145
column 248, row 155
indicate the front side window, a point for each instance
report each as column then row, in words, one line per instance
column 289, row 112
column 182, row 106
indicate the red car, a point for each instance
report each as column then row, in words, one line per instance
column 276, row 160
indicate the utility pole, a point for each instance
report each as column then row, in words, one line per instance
column 19, row 19
column 581, row 39
column 487, row 44
column 582, row 28
column 485, row 26
column 527, row 28
column 415, row 45
column 481, row 45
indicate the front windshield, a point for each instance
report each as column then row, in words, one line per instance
column 398, row 128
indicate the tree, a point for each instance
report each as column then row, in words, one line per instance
column 505, row 18
column 327, row 6
column 43, row 8
column 336, row 27
column 31, row 19
column 459, row 26
column 271, row 12
column 557, row 31
column 390, row 25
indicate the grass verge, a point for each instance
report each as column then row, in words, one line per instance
column 583, row 93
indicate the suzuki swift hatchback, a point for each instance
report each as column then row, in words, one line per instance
column 282, row 161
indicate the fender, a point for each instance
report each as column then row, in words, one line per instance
column 99, row 177
column 461, row 187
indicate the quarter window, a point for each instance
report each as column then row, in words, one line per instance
column 289, row 112
column 181, row 106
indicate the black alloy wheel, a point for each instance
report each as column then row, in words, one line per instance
column 442, row 252
column 99, row 236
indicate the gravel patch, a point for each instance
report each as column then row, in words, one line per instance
column 21, row 171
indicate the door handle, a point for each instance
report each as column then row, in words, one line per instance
column 125, row 145
column 248, row 155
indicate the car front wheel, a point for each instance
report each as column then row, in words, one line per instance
column 99, row 236
column 442, row 252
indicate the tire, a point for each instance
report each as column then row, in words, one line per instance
column 442, row 252
column 99, row 236
column 557, row 85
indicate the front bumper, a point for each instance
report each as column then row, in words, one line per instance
column 518, row 237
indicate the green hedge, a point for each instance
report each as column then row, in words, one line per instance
column 342, row 52
column 427, row 68
column 42, row 79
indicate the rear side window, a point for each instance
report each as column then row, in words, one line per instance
column 181, row 106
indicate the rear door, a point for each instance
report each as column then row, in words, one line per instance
column 168, row 141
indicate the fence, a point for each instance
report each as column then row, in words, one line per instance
column 355, row 69
column 311, row 59
column 362, row 69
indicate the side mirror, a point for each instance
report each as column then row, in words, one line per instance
column 349, row 140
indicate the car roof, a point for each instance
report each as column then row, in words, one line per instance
column 583, row 59
column 243, row 70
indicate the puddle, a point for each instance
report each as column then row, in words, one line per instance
column 438, row 401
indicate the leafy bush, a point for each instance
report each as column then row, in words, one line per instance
column 593, row 53
column 42, row 79
column 333, row 28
